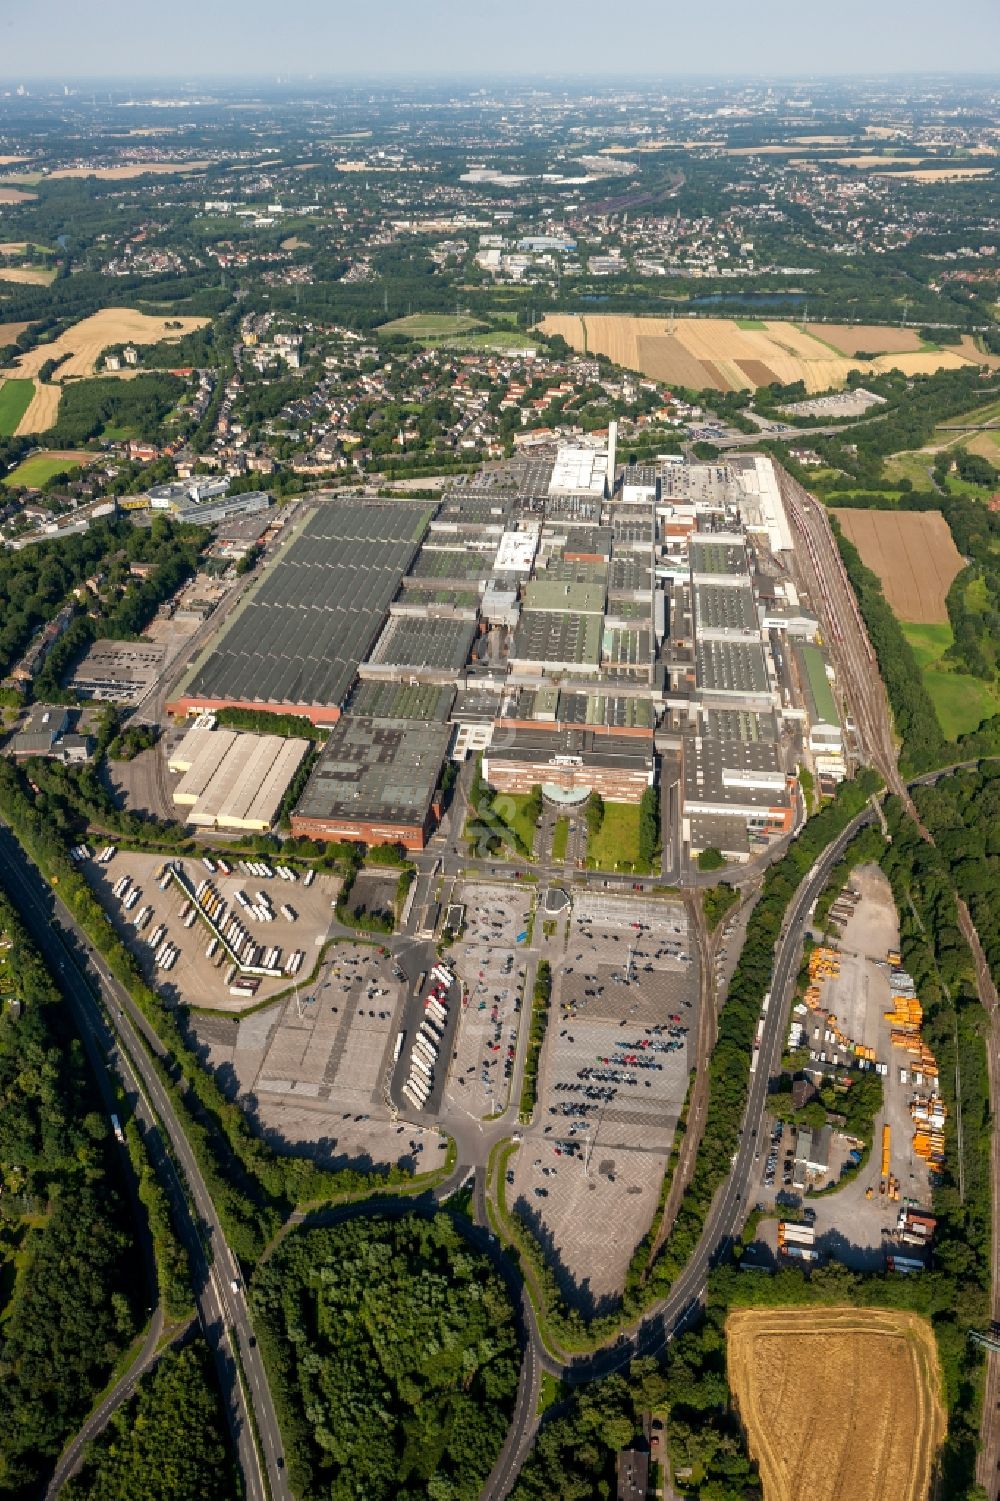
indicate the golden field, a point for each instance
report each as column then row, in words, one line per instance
column 84, row 342
column 719, row 354
column 41, row 411
column 839, row 1404
column 126, row 173
column 914, row 555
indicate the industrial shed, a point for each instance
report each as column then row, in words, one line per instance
column 234, row 781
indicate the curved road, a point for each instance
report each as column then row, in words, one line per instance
column 667, row 1318
column 72, row 1455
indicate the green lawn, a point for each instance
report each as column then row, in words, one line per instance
column 40, row 467
column 616, row 846
column 961, row 701
column 511, row 808
column 431, row 325
column 914, row 465
column 750, row 323
column 560, row 838
column 929, row 642
column 15, row 399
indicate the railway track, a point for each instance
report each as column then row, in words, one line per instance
column 837, row 604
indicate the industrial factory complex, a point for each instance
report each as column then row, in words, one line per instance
column 579, row 625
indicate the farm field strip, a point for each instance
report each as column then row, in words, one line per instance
column 733, row 354
column 83, row 343
column 126, row 173
column 42, row 411
column 913, row 554
column 15, row 399
column 865, row 1425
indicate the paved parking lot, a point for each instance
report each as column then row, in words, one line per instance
column 195, row 979
column 492, row 965
column 314, row 1065
column 614, row 1075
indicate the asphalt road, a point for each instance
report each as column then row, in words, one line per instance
column 82, row 974
column 667, row 1318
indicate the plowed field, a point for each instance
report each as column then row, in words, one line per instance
column 872, row 338
column 704, row 353
column 839, row 1404
column 914, row 555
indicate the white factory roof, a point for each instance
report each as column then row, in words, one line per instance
column 234, row 781
column 579, row 471
column 762, row 485
column 516, row 552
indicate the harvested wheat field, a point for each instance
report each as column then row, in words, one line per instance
column 10, row 331
column 716, row 353
column 42, row 410
column 31, row 276
column 938, row 174
column 126, row 173
column 15, row 195
column 84, row 342
column 870, row 338
column 839, row 1404
column 913, row 554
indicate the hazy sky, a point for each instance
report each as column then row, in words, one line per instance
column 189, row 38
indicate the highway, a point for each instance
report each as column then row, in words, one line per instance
column 219, row 1291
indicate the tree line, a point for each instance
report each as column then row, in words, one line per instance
column 70, row 1287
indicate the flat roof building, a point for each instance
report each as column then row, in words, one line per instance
column 374, row 783
column 825, row 733
column 296, row 641
column 619, row 767
column 120, row 672
column 556, row 643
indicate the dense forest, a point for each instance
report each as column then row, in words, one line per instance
column 167, row 1444
column 68, row 1267
column 87, row 408
column 393, row 1356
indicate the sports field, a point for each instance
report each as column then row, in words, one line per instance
column 15, row 398
column 913, row 554
column 729, row 354
column 42, row 466
column 864, row 1424
column 83, row 343
column 431, row 325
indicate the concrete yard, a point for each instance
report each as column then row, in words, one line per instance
column 314, row 1065
column 614, row 1076
column 850, row 1226
column 196, row 980
column 491, row 963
